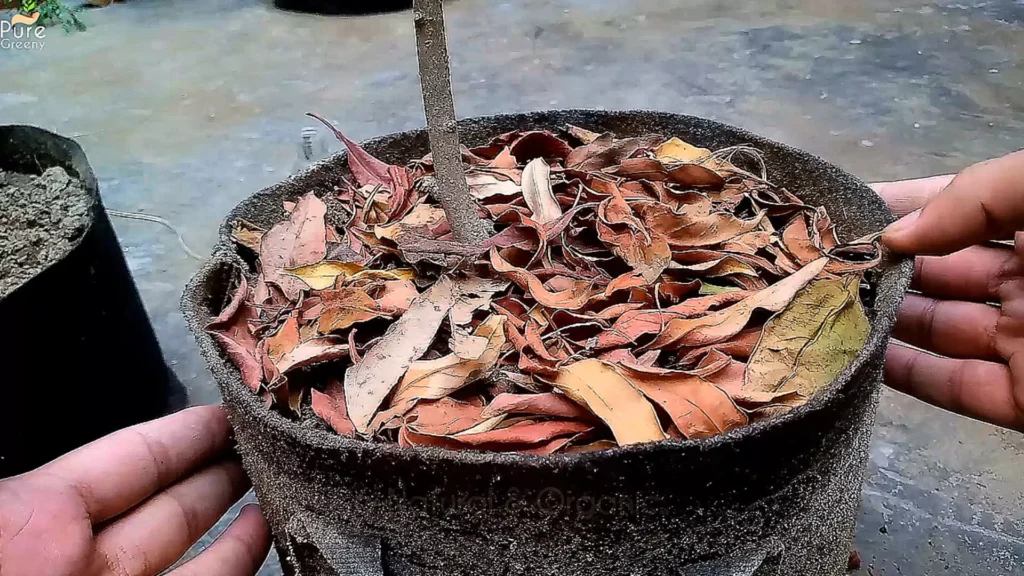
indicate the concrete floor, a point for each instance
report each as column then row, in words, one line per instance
column 185, row 108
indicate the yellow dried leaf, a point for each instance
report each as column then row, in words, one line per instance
column 611, row 398
column 324, row 274
column 675, row 150
column 803, row 347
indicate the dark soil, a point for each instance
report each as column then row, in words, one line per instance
column 42, row 219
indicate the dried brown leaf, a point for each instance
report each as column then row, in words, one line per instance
column 612, row 398
column 369, row 382
column 722, row 325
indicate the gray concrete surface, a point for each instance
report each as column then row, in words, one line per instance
column 186, row 107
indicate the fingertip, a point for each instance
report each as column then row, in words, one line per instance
column 251, row 527
column 899, row 236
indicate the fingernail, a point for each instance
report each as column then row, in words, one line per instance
column 901, row 226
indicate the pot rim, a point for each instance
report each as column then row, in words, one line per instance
column 895, row 270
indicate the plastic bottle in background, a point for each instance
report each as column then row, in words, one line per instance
column 312, row 149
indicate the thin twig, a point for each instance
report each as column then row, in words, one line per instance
column 158, row 220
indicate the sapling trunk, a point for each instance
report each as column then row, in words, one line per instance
column 451, row 191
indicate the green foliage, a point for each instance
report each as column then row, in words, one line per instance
column 54, row 12
column 28, row 7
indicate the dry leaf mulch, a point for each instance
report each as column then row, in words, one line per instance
column 637, row 289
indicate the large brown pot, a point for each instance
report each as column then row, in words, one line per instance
column 778, row 497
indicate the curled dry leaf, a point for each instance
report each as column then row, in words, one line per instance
column 545, row 404
column 435, row 379
column 724, row 324
column 635, row 290
column 231, row 330
column 537, row 192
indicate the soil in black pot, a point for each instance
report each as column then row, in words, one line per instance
column 43, row 217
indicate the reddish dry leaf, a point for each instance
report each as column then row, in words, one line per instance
column 231, row 330
column 632, row 325
column 298, row 241
column 370, row 171
column 686, row 175
column 445, row 417
column 739, row 346
column 539, row 144
column 527, row 437
column 504, row 160
column 546, row 404
column 525, row 433
column 285, row 339
column 571, row 298
column 315, row 351
column 396, row 296
column 330, row 406
column 592, row 447
column 424, row 219
column 344, row 307
column 434, row 379
column 605, row 151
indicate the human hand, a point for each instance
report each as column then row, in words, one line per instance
column 969, row 314
column 132, row 503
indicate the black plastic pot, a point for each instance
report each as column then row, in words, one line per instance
column 777, row 498
column 79, row 355
column 343, row 7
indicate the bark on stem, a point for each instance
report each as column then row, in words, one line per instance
column 435, row 80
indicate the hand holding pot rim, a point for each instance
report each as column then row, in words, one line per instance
column 966, row 325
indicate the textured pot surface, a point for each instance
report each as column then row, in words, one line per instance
column 80, row 357
column 776, row 498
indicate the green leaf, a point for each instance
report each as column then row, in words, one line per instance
column 709, row 289
column 803, row 347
